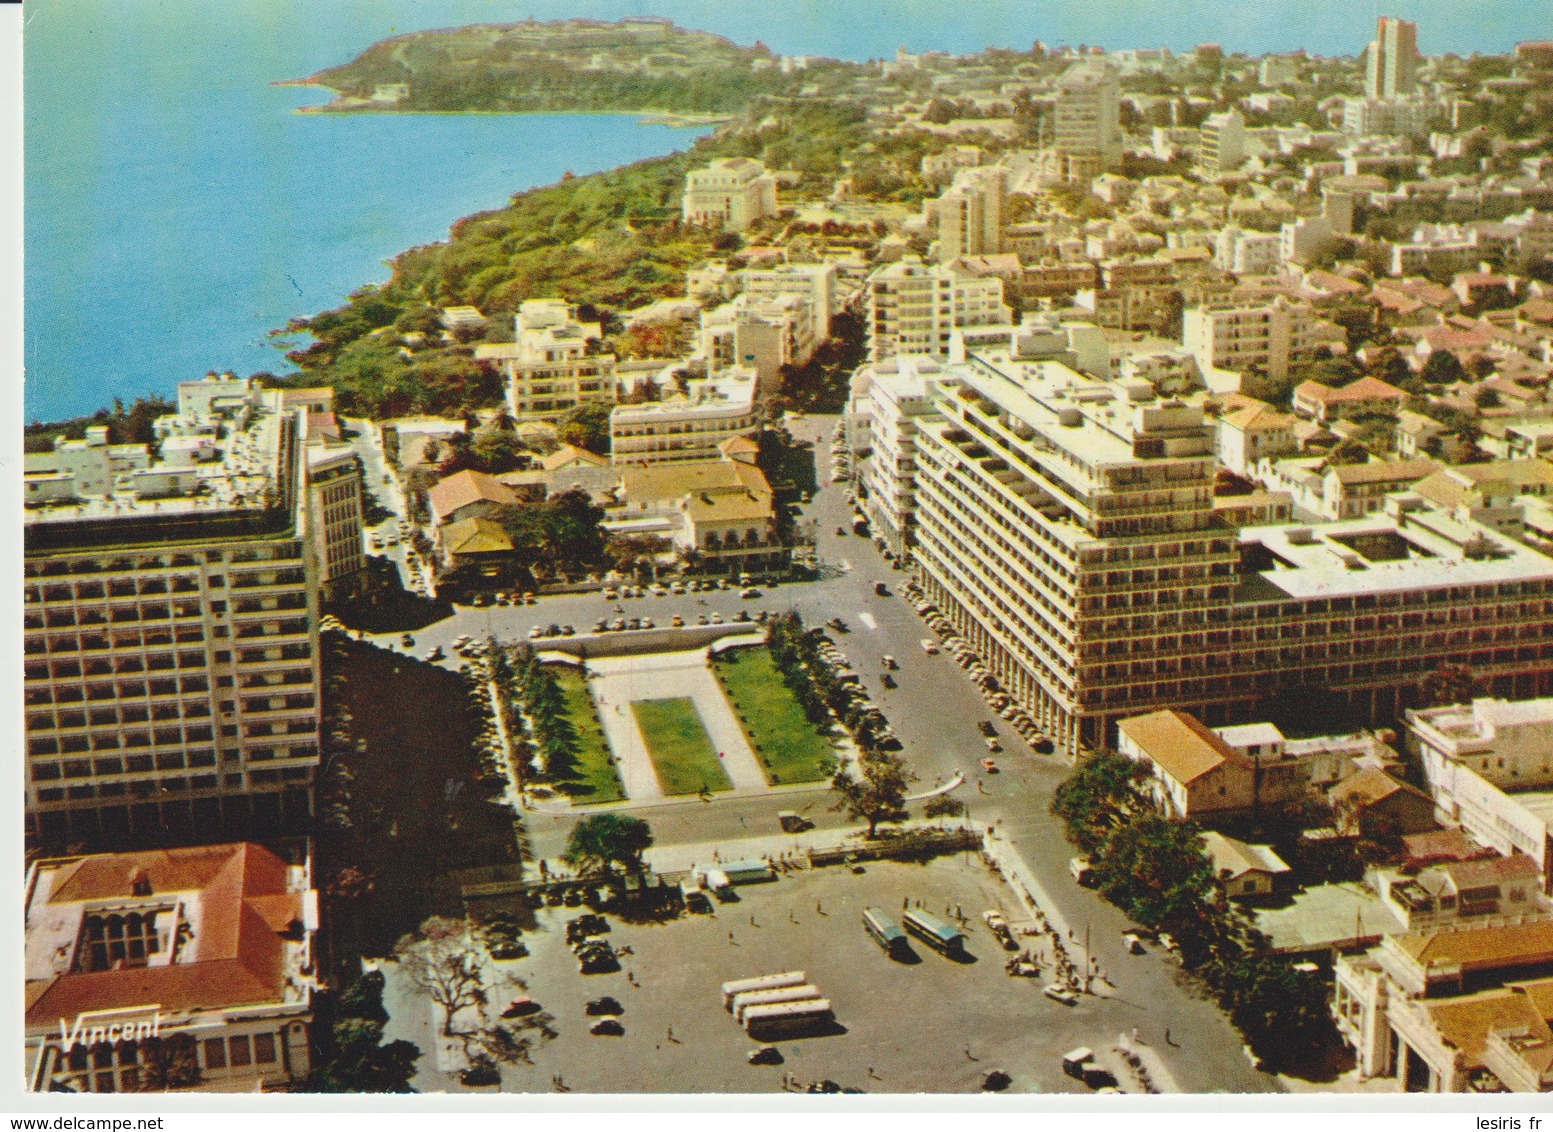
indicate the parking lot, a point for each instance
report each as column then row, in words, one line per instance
column 933, row 1024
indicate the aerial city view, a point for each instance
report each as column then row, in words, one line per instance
column 1015, row 570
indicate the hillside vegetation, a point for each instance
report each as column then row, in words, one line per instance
column 571, row 65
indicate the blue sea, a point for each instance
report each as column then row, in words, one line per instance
column 178, row 208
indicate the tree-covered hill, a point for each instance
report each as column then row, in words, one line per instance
column 637, row 65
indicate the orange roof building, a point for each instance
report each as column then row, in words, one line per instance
column 208, row 948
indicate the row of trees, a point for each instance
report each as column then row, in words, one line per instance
column 1156, row 870
column 816, row 687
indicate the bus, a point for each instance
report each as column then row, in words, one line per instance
column 762, row 982
column 938, row 934
column 885, row 932
column 783, row 1019
column 743, row 1003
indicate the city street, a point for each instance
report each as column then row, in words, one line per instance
column 934, row 710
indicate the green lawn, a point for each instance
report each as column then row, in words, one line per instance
column 790, row 748
column 682, row 754
column 592, row 777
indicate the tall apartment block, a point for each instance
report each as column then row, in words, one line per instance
column 1222, row 141
column 1084, row 121
column 970, row 214
column 1066, row 526
column 171, row 651
column 1264, row 335
column 1391, row 60
column 547, row 365
column 913, row 308
column 730, row 193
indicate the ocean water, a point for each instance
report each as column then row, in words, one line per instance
column 178, row 209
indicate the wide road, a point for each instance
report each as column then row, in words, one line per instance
column 934, row 710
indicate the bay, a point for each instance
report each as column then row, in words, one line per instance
column 178, row 208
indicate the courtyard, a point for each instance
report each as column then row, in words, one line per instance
column 928, row 1023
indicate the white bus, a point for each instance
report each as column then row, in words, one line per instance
column 762, row 982
column 743, row 1003
column 784, row 1018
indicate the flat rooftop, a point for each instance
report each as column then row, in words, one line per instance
column 1327, row 916
column 237, row 482
column 1360, row 556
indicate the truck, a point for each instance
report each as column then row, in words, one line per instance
column 1082, row 871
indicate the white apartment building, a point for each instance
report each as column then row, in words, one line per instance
column 1221, row 144
column 913, row 308
column 686, row 426
column 77, row 468
column 970, row 214
column 1277, row 70
column 206, row 952
column 1394, row 117
column 1247, row 253
column 1267, row 335
column 1084, row 120
column 170, row 647
column 1391, row 60
column 334, row 503
column 762, row 334
column 730, row 193
column 897, row 393
column 814, row 281
column 548, row 367
column 1066, row 527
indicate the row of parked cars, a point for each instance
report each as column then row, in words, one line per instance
column 870, row 718
column 957, row 647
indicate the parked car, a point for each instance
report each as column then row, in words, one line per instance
column 989, row 766
column 677, row 621
column 520, row 1007
column 749, row 592
column 1059, row 993
column 607, row 1028
column 929, row 645
column 765, row 1055
column 604, row 1006
column 481, row 1073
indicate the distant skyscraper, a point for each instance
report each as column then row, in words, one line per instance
column 1391, row 63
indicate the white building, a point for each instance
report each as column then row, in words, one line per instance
column 970, row 214
column 730, row 193
column 692, row 425
column 814, row 281
column 1247, row 253
column 1085, row 122
column 762, row 334
column 1267, row 335
column 1221, row 144
column 913, row 308
column 171, row 652
column 1391, row 60
column 548, row 367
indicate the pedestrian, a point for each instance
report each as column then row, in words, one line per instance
column 631, row 977
column 671, row 1033
column 968, row 1055
column 730, row 938
column 1168, row 1042
column 819, row 909
column 753, row 924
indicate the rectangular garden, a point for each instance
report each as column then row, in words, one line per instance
column 592, row 776
column 682, row 754
column 789, row 747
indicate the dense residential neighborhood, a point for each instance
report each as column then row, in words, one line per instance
column 1110, row 489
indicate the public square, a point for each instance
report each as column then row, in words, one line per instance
column 934, row 1024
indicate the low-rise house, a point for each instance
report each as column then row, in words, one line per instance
column 467, row 495
column 1367, row 395
column 1351, row 491
column 1246, row 871
column 1373, row 796
column 1492, row 494
column 474, row 551
column 181, row 969
column 1248, row 436
column 1454, row 891
column 718, row 513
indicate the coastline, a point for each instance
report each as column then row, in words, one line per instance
column 343, row 104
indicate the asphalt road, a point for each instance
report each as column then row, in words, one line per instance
column 934, row 710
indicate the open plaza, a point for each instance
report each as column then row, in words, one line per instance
column 928, row 1023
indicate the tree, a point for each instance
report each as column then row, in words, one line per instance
column 1101, row 791
column 446, row 960
column 877, row 794
column 1442, row 368
column 496, row 450
column 631, row 552
column 601, row 841
column 587, row 426
column 943, row 806
column 354, row 1059
column 1152, row 868
column 168, row 1063
column 1449, row 684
